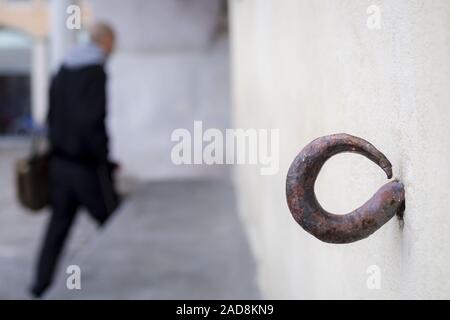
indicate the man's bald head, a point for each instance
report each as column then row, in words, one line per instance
column 103, row 35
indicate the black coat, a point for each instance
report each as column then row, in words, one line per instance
column 77, row 112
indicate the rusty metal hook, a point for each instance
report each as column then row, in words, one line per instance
column 388, row 201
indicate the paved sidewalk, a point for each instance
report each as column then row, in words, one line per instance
column 172, row 240
column 21, row 231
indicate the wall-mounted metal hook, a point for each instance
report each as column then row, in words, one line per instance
column 388, row 201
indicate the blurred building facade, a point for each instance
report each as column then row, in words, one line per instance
column 171, row 68
column 15, row 77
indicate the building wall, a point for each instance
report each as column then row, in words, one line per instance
column 313, row 68
column 171, row 68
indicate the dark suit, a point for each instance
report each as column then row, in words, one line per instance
column 80, row 173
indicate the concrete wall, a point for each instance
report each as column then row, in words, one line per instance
column 171, row 68
column 313, row 68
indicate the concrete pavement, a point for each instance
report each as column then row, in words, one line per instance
column 177, row 239
column 172, row 240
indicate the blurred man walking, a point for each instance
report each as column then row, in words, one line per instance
column 80, row 172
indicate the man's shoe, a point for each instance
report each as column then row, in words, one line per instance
column 37, row 291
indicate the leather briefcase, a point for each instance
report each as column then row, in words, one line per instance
column 32, row 176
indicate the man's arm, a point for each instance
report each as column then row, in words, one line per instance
column 95, row 136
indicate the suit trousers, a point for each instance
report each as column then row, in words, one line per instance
column 72, row 186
